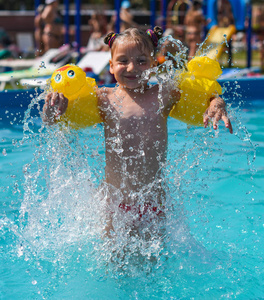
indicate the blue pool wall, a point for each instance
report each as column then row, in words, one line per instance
column 244, row 88
column 13, row 104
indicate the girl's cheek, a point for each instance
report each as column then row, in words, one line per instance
column 121, row 67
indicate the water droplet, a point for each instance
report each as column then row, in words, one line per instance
column 142, row 153
column 42, row 65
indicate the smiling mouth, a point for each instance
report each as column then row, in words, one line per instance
column 132, row 77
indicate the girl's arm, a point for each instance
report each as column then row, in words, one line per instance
column 102, row 96
column 172, row 94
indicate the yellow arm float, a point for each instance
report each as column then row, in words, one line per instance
column 197, row 86
column 80, row 90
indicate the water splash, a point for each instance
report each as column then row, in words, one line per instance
column 60, row 226
column 63, row 206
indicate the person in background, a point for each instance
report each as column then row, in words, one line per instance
column 53, row 32
column 225, row 15
column 5, row 42
column 168, row 49
column 177, row 10
column 38, row 34
column 226, row 18
column 194, row 22
column 98, row 25
column 126, row 17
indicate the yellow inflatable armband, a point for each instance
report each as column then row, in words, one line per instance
column 197, row 86
column 82, row 109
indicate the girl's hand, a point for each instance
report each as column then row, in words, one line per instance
column 217, row 112
column 55, row 106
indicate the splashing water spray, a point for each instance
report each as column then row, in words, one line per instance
column 62, row 215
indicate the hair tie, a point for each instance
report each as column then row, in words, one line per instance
column 111, row 40
column 153, row 37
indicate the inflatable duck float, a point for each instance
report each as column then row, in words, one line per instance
column 197, row 86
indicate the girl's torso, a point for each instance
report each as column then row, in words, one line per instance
column 135, row 138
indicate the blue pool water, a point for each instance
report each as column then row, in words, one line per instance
column 50, row 243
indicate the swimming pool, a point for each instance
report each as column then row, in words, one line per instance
column 49, row 243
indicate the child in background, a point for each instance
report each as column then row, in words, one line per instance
column 194, row 22
column 135, row 122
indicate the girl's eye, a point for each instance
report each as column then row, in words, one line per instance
column 142, row 61
column 58, row 78
column 71, row 73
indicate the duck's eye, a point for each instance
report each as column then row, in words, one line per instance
column 71, row 73
column 58, row 78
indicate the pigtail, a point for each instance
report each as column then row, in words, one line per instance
column 155, row 35
column 158, row 32
column 109, row 39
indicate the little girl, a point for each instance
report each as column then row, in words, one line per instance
column 135, row 121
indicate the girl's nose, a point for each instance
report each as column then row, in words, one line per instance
column 131, row 66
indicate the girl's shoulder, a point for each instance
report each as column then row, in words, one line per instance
column 103, row 92
column 104, row 95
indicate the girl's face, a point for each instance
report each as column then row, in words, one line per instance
column 128, row 63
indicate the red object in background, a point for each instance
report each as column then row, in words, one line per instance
column 88, row 69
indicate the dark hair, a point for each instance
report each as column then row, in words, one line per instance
column 147, row 40
column 197, row 3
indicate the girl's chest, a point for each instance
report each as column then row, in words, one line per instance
column 135, row 121
column 138, row 111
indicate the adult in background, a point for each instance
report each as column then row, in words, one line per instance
column 225, row 15
column 194, row 22
column 126, row 16
column 53, row 33
column 39, row 27
column 225, row 18
column 98, row 24
column 5, row 42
